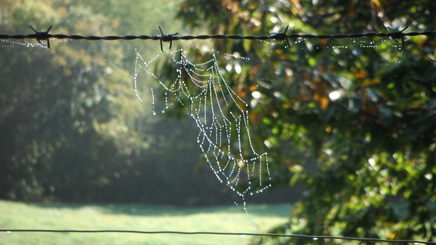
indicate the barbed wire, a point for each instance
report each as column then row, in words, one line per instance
column 281, row 36
column 216, row 233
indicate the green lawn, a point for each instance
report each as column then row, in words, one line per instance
column 15, row 215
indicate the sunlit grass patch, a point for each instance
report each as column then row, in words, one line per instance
column 15, row 215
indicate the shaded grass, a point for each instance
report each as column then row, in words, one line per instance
column 15, row 215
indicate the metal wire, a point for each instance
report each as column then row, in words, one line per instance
column 282, row 36
column 216, row 233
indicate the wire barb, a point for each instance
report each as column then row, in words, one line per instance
column 282, row 36
column 42, row 35
column 399, row 34
column 166, row 38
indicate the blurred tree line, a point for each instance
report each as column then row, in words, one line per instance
column 71, row 127
column 363, row 109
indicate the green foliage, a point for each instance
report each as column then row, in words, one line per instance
column 362, row 109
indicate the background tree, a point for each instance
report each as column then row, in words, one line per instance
column 363, row 109
column 71, row 126
column 45, row 103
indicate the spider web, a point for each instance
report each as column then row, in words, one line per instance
column 220, row 115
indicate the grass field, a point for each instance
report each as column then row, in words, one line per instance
column 15, row 215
